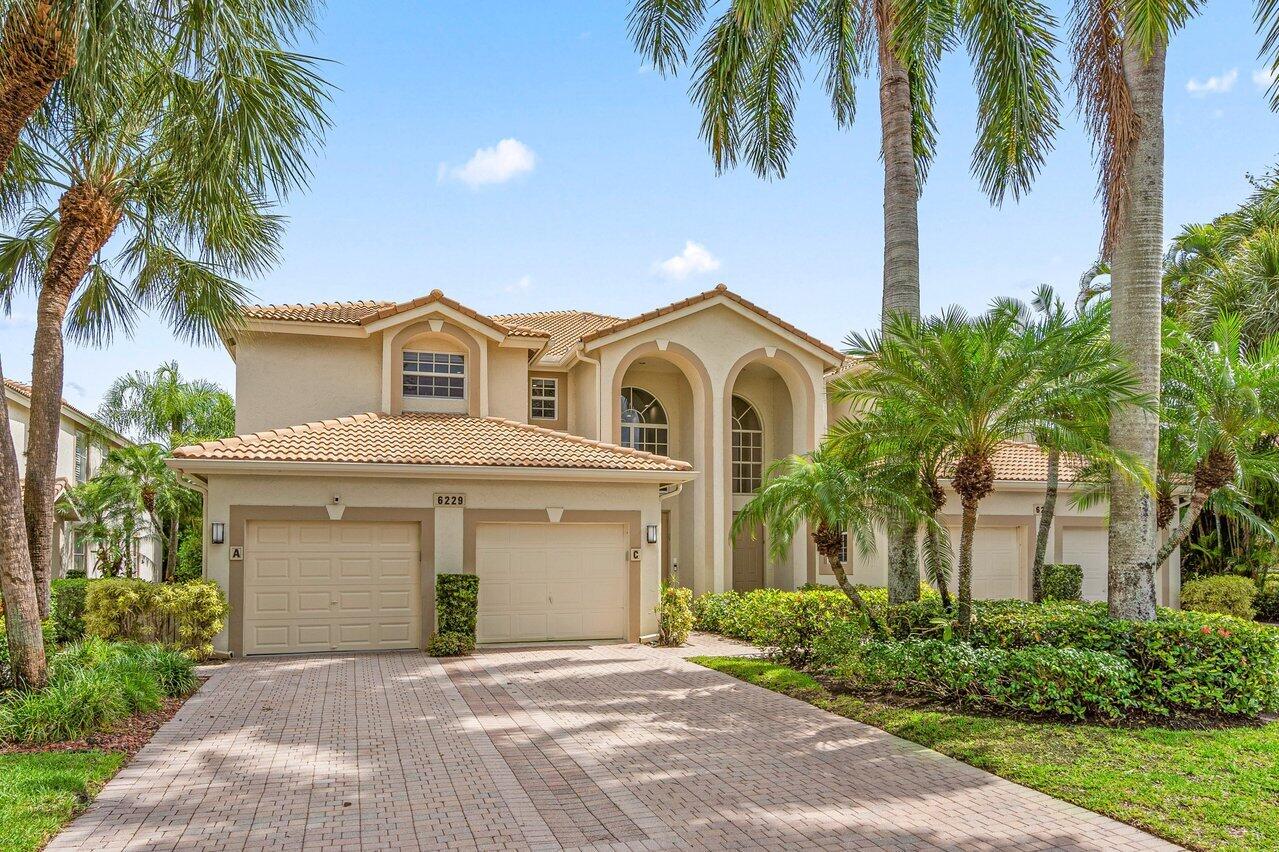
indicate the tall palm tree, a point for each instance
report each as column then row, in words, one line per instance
column 163, row 407
column 835, row 492
column 22, row 610
column 1221, row 405
column 746, row 79
column 1119, row 49
column 178, row 162
column 970, row 385
column 140, row 474
column 109, row 517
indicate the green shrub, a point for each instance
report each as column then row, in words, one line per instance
column 456, row 602
column 75, row 574
column 1018, row 624
column 183, row 615
column 68, row 596
column 450, row 645
column 1267, row 603
column 190, row 554
column 1040, row 681
column 674, row 615
column 1227, row 594
column 1063, row 582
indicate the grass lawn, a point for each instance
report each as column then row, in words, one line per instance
column 40, row 792
column 1215, row 789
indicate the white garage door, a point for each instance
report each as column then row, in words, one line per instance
column 330, row 586
column 996, row 562
column 1087, row 547
column 542, row 582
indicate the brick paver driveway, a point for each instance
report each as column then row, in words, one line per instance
column 607, row 747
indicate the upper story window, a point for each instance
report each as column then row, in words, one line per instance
column 644, row 425
column 434, row 375
column 81, row 457
column 543, row 398
column 748, row 447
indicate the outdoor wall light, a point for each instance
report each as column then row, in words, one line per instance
column 650, row 533
column 217, row 533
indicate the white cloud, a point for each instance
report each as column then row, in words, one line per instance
column 505, row 160
column 1262, row 78
column 1217, row 85
column 519, row 286
column 693, row 260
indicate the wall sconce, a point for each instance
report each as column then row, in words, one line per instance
column 217, row 532
column 650, row 533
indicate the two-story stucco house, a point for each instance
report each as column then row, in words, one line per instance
column 571, row 459
column 83, row 444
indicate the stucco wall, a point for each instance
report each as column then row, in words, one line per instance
column 290, row 379
column 386, row 492
column 508, row 383
column 562, row 404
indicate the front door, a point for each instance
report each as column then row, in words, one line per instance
column 748, row 560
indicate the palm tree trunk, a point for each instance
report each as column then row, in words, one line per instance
column 942, row 589
column 17, row 584
column 37, row 52
column 967, row 527
column 1135, row 330
column 86, row 219
column 1046, row 513
column 837, row 568
column 1198, row 500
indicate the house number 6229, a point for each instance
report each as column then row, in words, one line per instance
column 450, row 499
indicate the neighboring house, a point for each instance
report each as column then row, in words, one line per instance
column 83, row 444
column 571, row 459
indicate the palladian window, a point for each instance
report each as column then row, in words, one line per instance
column 748, row 447
column 644, row 424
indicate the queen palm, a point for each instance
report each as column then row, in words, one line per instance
column 1119, row 51
column 176, row 166
column 969, row 385
column 163, row 407
column 109, row 516
column 139, row 474
column 834, row 492
column 746, row 79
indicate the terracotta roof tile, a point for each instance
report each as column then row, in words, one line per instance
column 350, row 313
column 25, row 390
column 717, row 290
column 564, row 327
column 1019, row 461
column 429, row 439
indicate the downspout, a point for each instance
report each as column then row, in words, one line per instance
column 666, row 495
column 599, row 391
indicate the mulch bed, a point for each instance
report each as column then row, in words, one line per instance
column 128, row 735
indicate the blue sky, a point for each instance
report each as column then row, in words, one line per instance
column 607, row 179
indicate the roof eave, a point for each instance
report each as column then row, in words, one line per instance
column 206, row 466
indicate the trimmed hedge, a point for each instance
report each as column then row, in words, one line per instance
column 183, row 615
column 1228, row 594
column 457, row 599
column 68, row 599
column 1063, row 582
column 674, row 615
column 450, row 645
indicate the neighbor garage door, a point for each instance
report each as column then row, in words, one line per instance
column 330, row 586
column 551, row 581
column 1086, row 547
column 996, row 562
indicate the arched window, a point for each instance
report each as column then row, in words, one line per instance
column 644, row 423
column 748, row 447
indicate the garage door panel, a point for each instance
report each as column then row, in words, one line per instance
column 551, row 581
column 1088, row 548
column 319, row 586
column 997, row 563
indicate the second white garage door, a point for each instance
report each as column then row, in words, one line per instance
column 997, row 562
column 1087, row 547
column 544, row 582
column 330, row 586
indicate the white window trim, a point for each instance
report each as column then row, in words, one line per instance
column 447, row 404
column 734, row 431
column 664, row 427
column 554, row 397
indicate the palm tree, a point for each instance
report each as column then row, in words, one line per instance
column 163, row 407
column 971, row 385
column 178, row 162
column 833, row 491
column 1221, row 405
column 140, row 474
column 1119, row 51
column 109, row 516
column 21, row 608
column 746, row 80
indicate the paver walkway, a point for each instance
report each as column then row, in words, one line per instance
column 617, row 746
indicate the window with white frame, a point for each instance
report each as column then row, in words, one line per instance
column 748, row 447
column 81, row 457
column 434, row 375
column 80, row 550
column 543, row 398
column 644, row 424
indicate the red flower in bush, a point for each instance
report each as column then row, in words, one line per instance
column 1223, row 633
column 1205, row 629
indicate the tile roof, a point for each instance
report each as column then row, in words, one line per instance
column 350, row 313
column 438, row 296
column 564, row 327
column 717, row 290
column 850, row 361
column 429, row 439
column 25, row 390
column 1021, row 461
